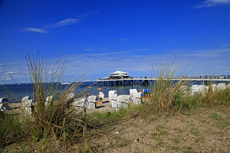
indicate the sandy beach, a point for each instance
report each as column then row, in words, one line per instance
column 102, row 108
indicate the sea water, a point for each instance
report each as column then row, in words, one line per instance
column 18, row 91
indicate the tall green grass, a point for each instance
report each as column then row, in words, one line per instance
column 10, row 130
column 166, row 92
column 169, row 95
column 58, row 118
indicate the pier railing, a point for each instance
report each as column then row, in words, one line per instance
column 148, row 80
column 176, row 78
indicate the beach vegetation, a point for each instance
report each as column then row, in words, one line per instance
column 57, row 120
column 167, row 93
column 55, row 117
column 10, row 131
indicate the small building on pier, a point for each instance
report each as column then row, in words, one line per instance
column 119, row 78
column 118, row 75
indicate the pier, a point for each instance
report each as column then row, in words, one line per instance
column 119, row 78
column 148, row 81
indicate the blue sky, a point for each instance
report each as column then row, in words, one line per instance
column 110, row 35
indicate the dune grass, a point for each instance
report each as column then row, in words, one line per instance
column 56, row 119
column 166, row 93
column 10, row 130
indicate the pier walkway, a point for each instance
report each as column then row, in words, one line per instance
column 148, row 80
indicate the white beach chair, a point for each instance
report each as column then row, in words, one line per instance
column 48, row 99
column 91, row 102
column 26, row 101
column 27, row 104
column 213, row 86
column 202, row 89
column 101, row 95
column 79, row 104
column 194, row 89
column 137, row 98
column 113, row 100
column 132, row 92
column 120, row 98
column 111, row 92
column 122, row 101
column 221, row 86
column 91, row 98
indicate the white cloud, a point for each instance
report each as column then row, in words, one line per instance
column 13, row 72
column 212, row 3
column 226, row 45
column 35, row 30
column 139, row 49
column 66, row 22
column 87, row 49
column 8, row 79
column 123, row 39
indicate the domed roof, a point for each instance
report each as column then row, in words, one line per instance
column 119, row 72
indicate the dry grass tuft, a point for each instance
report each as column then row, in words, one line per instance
column 166, row 91
column 57, row 117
